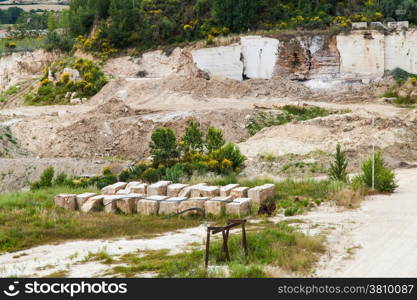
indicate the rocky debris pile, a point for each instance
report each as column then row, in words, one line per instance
column 215, row 88
column 165, row 198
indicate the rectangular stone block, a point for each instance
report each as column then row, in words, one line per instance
column 128, row 203
column 215, row 207
column 240, row 192
column 93, row 204
column 82, row 198
column 261, row 193
column 186, row 192
column 141, row 188
column 173, row 190
column 225, row 190
column 239, row 209
column 133, row 183
column 114, row 188
column 170, row 206
column 192, row 203
column 223, row 199
column 110, row 203
column 159, row 188
column 123, row 192
column 67, row 201
column 209, row 191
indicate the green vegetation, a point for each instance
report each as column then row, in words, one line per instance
column 177, row 159
column 29, row 219
column 91, row 79
column 21, row 45
column 45, row 180
column 277, row 246
column 287, row 113
column 338, row 168
column 384, row 177
column 143, row 24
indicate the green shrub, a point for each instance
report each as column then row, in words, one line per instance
column 45, row 180
column 338, row 169
column 400, row 75
column 175, row 173
column 291, row 211
column 151, row 175
column 384, row 177
column 91, row 81
column 214, row 139
column 164, row 146
column 61, row 179
column 193, row 137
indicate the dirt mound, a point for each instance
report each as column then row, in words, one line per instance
column 214, row 88
column 114, row 107
column 394, row 135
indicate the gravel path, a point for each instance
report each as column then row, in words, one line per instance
column 380, row 239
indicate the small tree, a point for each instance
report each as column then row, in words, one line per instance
column 45, row 180
column 164, row 147
column 214, row 139
column 384, row 177
column 193, row 137
column 338, row 168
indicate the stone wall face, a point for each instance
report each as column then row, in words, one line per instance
column 222, row 62
column 401, row 51
column 361, row 54
column 259, row 56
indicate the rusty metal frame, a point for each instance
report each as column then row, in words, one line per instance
column 225, row 234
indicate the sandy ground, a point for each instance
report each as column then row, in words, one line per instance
column 44, row 260
column 379, row 239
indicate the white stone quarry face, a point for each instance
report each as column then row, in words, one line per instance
column 220, row 62
column 259, row 56
column 401, row 51
column 362, row 53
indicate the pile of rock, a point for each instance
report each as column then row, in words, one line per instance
column 165, row 198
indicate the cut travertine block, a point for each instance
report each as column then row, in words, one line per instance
column 261, row 193
column 150, row 205
column 110, row 203
column 141, row 188
column 240, row 192
column 173, row 190
column 67, row 201
column 82, row 198
column 158, row 189
column 186, row 192
column 215, row 207
column 114, row 188
column 170, row 206
column 225, row 190
column 123, row 192
column 133, row 183
column 210, row 191
column 128, row 203
column 192, row 203
column 92, row 204
column 238, row 208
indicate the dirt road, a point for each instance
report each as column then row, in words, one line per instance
column 380, row 240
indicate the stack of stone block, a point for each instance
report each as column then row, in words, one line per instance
column 165, row 198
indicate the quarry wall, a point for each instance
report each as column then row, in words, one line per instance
column 19, row 66
column 357, row 55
